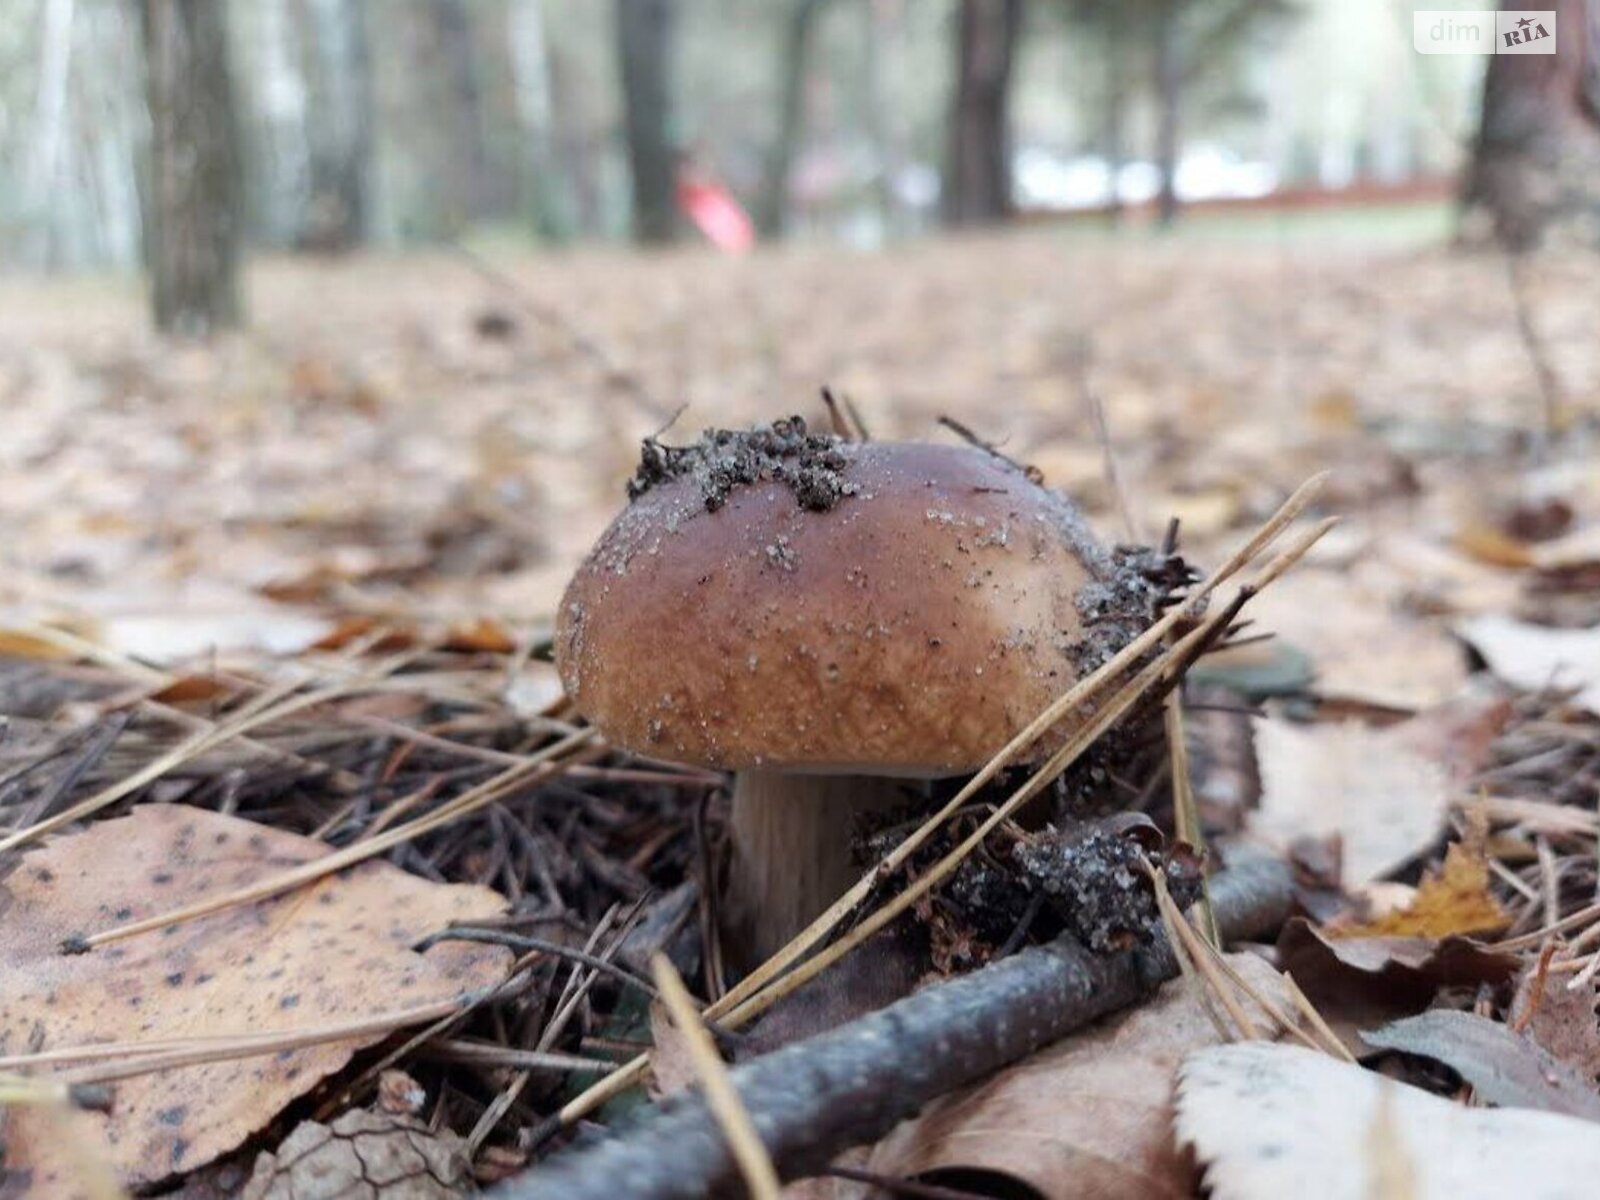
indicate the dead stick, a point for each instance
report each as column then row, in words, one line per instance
column 815, row 1098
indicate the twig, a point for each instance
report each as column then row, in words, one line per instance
column 459, row 1050
column 1082, row 357
column 522, row 941
column 966, row 434
column 1185, row 813
column 760, row 1179
column 1545, row 377
column 814, row 1098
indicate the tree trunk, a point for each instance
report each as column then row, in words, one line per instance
column 192, row 230
column 468, row 188
column 977, row 179
column 794, row 56
column 541, row 185
column 1535, row 175
column 644, row 47
column 1114, row 113
column 50, row 118
column 339, row 133
column 1169, row 99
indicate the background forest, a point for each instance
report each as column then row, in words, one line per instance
column 335, row 335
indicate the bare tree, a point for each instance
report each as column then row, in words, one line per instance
column 193, row 210
column 1535, row 174
column 1169, row 80
column 468, row 188
column 339, row 130
column 645, row 31
column 977, row 175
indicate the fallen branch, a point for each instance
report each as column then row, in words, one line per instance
column 813, row 1099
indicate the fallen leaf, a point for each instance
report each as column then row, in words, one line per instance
column 1536, row 657
column 1362, row 646
column 1565, row 1021
column 1090, row 1116
column 1455, row 899
column 365, row 1156
column 1503, row 1067
column 1269, row 1121
column 1493, row 546
column 335, row 951
column 1385, row 801
column 671, row 1066
column 1360, row 983
column 172, row 637
column 20, row 643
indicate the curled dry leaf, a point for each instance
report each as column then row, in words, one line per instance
column 1090, row 1116
column 336, row 951
column 1269, row 1121
column 363, row 1156
column 1503, row 1067
column 1455, row 899
column 1360, row 983
column 1535, row 657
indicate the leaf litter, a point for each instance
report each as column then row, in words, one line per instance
column 319, row 957
column 325, row 495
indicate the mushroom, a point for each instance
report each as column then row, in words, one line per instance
column 838, row 623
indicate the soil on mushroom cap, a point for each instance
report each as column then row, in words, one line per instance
column 811, row 465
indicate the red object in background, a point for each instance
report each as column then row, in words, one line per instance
column 715, row 213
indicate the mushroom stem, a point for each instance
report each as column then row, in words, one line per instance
column 791, row 852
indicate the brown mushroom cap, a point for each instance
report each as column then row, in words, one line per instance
column 911, row 628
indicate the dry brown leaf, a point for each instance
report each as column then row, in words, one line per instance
column 1269, row 1121
column 671, row 1066
column 1360, row 983
column 19, row 643
column 1385, row 801
column 1493, row 546
column 1455, row 899
column 1090, row 1116
column 335, row 951
column 1535, row 657
column 1565, row 1021
column 363, row 1156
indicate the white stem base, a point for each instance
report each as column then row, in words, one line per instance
column 791, row 852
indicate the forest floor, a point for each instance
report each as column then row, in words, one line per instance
column 393, row 473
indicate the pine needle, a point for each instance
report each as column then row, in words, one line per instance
column 760, row 1177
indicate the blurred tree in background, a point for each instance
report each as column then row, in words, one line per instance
column 645, row 36
column 192, row 217
column 1536, row 165
column 423, row 121
column 977, row 174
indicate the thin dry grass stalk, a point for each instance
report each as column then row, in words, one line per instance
column 760, row 1179
column 540, row 765
column 747, row 999
column 272, row 704
column 1185, row 815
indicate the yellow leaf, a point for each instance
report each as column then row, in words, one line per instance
column 1455, row 900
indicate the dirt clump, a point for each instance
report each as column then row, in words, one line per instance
column 812, row 466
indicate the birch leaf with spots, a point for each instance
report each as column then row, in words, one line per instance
column 334, row 952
